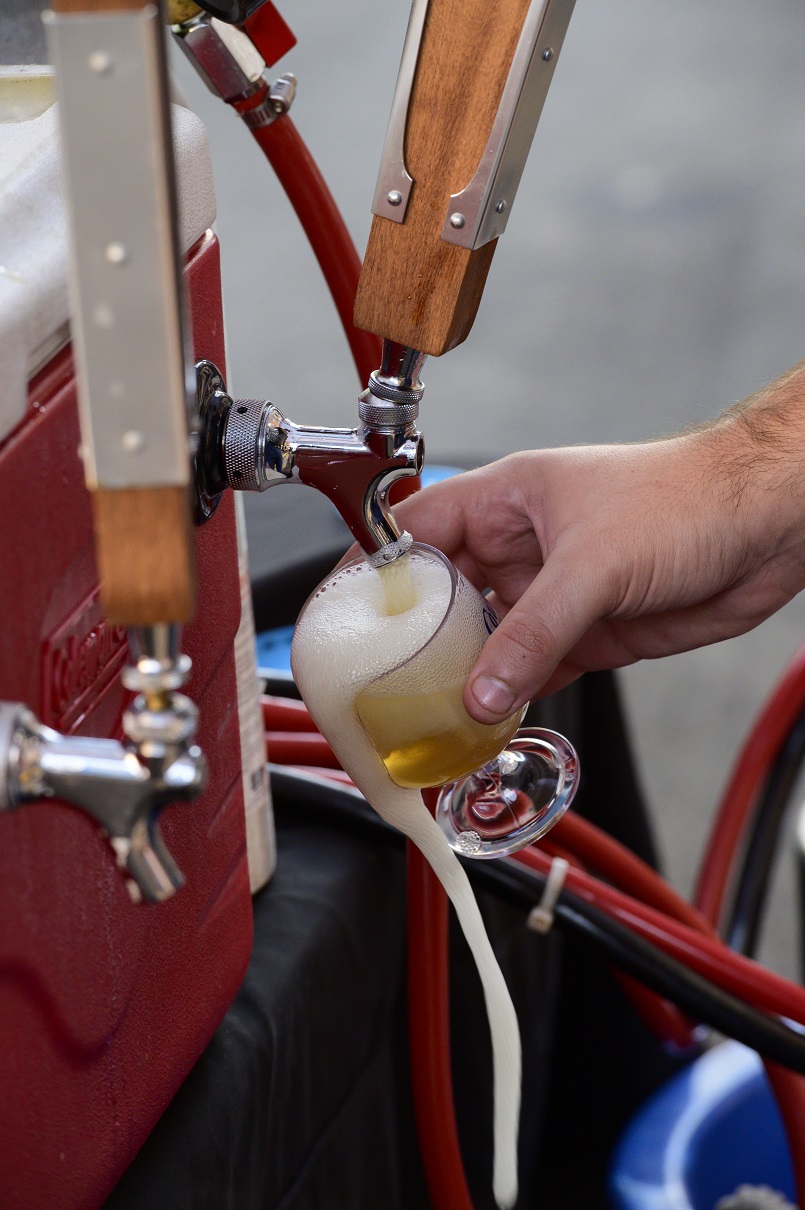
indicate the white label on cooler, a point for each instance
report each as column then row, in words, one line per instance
column 261, row 844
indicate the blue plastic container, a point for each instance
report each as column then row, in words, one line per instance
column 713, row 1127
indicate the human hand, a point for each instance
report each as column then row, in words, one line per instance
column 600, row 556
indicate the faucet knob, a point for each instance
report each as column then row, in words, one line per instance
column 249, row 445
column 383, row 414
column 252, row 445
column 122, row 787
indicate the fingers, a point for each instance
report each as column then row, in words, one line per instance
column 436, row 514
column 559, row 607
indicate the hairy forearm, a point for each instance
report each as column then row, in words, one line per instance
column 599, row 556
column 758, row 446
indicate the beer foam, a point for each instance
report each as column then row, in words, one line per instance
column 344, row 639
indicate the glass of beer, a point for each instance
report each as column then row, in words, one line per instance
column 502, row 788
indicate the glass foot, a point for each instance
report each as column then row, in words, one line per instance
column 514, row 799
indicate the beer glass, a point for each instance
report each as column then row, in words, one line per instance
column 502, row 788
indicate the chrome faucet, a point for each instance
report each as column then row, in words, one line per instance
column 123, row 786
column 250, row 445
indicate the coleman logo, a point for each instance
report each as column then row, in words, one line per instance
column 79, row 660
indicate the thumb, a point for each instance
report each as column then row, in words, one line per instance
column 552, row 615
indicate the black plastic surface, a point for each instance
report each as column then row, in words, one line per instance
column 298, row 1100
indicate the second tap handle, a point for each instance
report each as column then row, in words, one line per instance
column 472, row 82
column 126, row 302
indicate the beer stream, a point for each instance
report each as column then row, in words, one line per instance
column 355, row 628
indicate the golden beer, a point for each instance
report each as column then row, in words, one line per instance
column 427, row 739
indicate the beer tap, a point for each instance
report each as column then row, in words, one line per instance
column 470, row 89
column 250, row 445
column 471, row 86
column 127, row 327
column 122, row 786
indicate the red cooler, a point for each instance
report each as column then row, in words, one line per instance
column 104, row 1004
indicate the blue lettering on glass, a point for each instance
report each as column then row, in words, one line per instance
column 490, row 619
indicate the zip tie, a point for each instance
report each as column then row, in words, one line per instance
column 392, row 551
column 540, row 918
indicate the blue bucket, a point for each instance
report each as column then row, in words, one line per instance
column 711, row 1128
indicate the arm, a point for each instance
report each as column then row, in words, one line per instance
column 599, row 556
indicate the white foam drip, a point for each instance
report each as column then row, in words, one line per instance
column 343, row 641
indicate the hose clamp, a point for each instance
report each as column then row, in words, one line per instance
column 540, row 918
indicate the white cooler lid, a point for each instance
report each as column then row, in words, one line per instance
column 34, row 314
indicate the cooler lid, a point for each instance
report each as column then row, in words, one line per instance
column 34, row 314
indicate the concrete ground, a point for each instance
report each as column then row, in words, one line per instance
column 653, row 272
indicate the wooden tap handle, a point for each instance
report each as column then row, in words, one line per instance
column 415, row 287
column 143, row 526
column 146, row 554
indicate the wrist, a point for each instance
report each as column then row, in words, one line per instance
column 754, row 457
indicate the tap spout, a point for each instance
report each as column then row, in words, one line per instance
column 250, row 445
column 125, row 786
column 358, row 479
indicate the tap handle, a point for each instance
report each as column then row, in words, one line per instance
column 126, row 306
column 472, row 82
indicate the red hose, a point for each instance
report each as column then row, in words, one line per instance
column 754, row 763
column 285, row 714
column 300, row 748
column 789, row 1093
column 307, row 191
column 606, row 856
column 702, row 953
column 668, row 1024
column 429, row 1034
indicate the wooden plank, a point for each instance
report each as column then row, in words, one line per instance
column 146, row 554
column 416, row 288
column 97, row 6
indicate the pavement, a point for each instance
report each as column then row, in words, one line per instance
column 652, row 273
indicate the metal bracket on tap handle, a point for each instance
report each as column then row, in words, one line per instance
column 478, row 213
